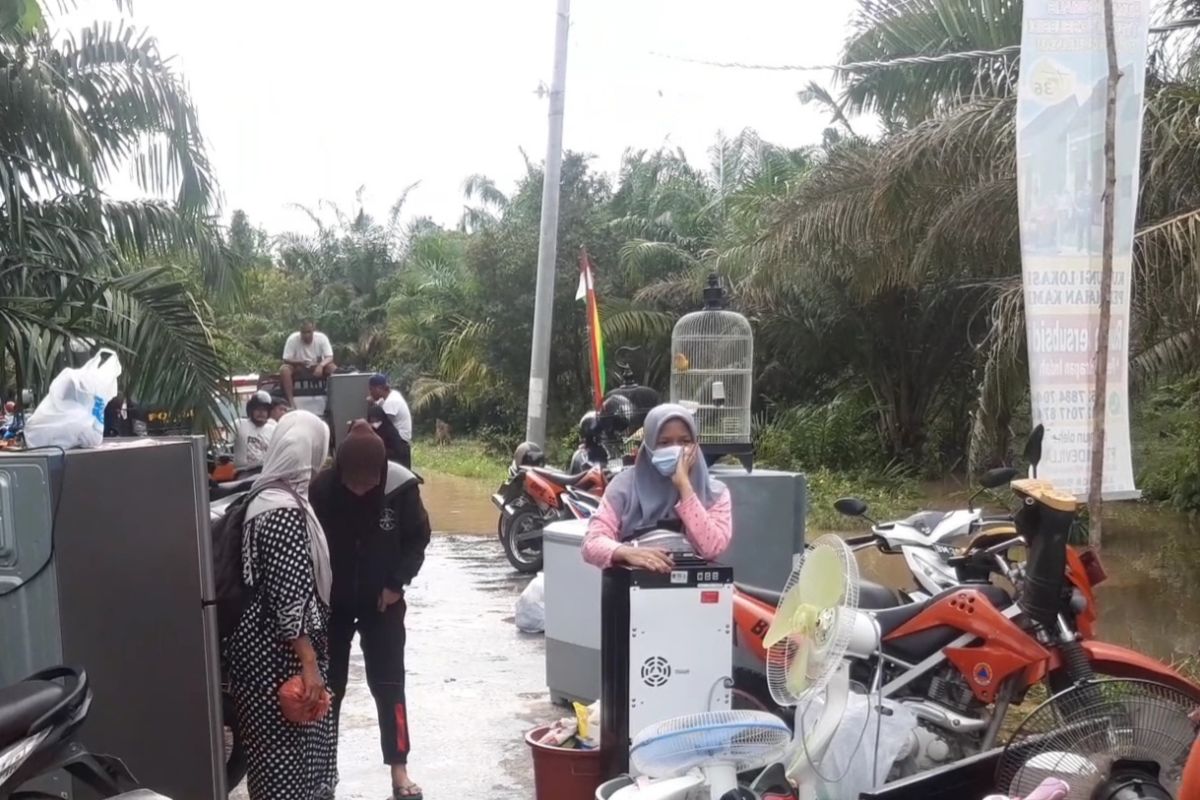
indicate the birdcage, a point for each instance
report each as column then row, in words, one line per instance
column 712, row 361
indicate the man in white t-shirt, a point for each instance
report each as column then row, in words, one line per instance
column 253, row 435
column 393, row 404
column 307, row 354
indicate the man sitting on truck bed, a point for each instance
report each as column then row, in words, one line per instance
column 307, row 354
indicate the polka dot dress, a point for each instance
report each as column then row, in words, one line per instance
column 286, row 761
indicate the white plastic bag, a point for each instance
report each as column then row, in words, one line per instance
column 72, row 413
column 846, row 770
column 531, row 606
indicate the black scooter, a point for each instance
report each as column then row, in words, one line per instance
column 39, row 718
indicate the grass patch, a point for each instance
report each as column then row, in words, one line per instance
column 465, row 458
column 889, row 499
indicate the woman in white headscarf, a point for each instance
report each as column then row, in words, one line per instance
column 284, row 631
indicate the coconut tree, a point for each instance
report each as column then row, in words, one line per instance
column 950, row 158
column 75, row 262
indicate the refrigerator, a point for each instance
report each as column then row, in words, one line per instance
column 105, row 564
column 347, row 402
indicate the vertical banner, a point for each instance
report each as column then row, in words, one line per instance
column 1060, row 182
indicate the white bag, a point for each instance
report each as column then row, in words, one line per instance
column 847, row 770
column 72, row 413
column 531, row 606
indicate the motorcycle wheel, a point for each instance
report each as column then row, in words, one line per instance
column 521, row 545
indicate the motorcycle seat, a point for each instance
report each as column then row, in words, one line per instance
column 870, row 595
column 925, row 521
column 918, row 646
column 23, row 704
column 559, row 478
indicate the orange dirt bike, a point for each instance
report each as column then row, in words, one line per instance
column 960, row 659
column 534, row 496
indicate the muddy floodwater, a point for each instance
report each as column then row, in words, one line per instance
column 459, row 505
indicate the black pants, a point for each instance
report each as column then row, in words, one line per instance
column 382, row 637
column 404, row 454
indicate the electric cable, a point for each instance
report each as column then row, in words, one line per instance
column 900, row 61
column 62, row 459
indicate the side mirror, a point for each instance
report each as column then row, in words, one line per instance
column 1033, row 448
column 995, row 478
column 851, row 507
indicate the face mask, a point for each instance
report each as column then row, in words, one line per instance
column 665, row 459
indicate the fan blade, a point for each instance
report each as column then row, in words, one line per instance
column 822, row 580
column 785, row 617
column 797, row 674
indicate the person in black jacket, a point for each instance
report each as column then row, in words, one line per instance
column 377, row 531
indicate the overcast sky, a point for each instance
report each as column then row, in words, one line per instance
column 303, row 100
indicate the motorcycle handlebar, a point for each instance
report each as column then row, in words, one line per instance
column 1045, row 531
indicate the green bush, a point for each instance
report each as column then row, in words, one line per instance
column 889, row 495
column 1167, row 438
column 499, row 441
column 840, row 435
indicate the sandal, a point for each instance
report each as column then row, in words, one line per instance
column 409, row 791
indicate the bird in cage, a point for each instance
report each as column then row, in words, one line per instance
column 681, row 362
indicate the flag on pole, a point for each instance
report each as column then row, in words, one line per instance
column 587, row 292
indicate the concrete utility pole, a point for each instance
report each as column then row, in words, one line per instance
column 1100, row 383
column 543, row 308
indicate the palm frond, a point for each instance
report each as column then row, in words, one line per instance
column 888, row 29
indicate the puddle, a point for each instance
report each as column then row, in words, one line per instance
column 459, row 505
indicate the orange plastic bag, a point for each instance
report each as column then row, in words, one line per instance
column 298, row 710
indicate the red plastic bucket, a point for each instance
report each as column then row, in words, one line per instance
column 562, row 773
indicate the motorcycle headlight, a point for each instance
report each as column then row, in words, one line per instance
column 12, row 758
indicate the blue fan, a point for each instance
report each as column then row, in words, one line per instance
column 720, row 744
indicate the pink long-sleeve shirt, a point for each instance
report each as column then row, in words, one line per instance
column 708, row 529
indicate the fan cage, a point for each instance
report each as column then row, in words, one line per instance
column 822, row 664
column 744, row 740
column 710, row 347
column 1081, row 733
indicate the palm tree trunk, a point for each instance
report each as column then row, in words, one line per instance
column 1099, row 402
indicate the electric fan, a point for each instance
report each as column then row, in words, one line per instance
column 689, row 752
column 1107, row 740
column 816, row 624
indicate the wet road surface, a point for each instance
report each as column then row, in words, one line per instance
column 475, row 685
